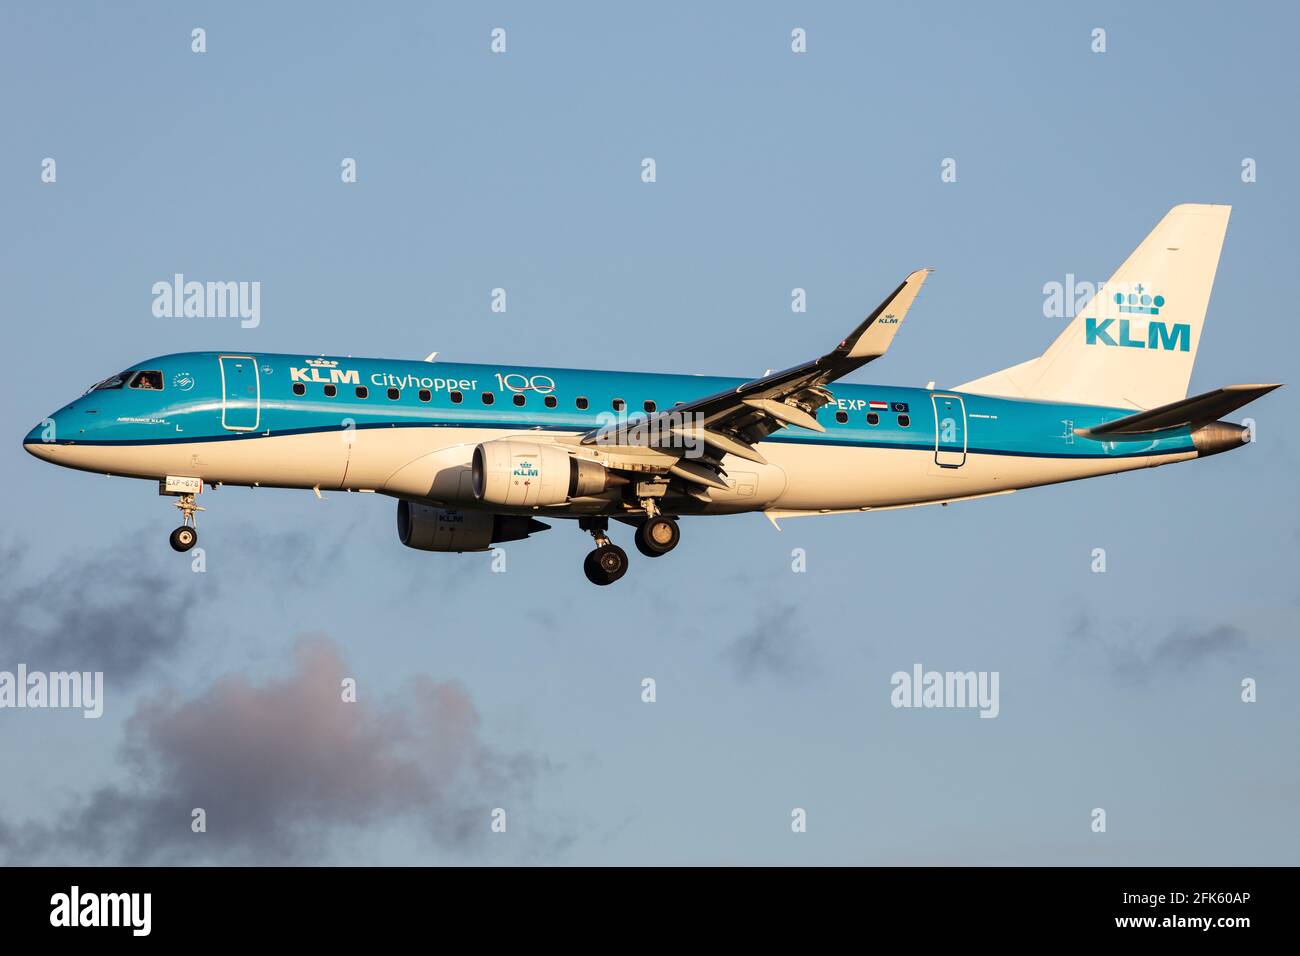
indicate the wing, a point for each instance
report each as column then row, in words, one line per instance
column 734, row 421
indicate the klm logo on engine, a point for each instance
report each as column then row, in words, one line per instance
column 1176, row 336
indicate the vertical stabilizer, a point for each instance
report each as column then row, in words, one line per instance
column 1134, row 344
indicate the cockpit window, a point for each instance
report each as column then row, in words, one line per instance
column 148, row 380
column 113, row 381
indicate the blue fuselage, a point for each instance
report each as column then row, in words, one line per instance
column 242, row 397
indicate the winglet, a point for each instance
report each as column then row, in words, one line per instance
column 872, row 338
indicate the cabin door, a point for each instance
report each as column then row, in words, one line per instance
column 241, row 393
column 949, row 431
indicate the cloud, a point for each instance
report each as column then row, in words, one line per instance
column 1188, row 648
column 104, row 612
column 772, row 646
column 125, row 608
column 1140, row 658
column 287, row 769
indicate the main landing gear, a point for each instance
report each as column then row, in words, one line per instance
column 608, row 562
column 655, row 536
column 184, row 537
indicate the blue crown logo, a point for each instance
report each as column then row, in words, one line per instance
column 1138, row 302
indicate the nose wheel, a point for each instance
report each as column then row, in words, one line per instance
column 184, row 537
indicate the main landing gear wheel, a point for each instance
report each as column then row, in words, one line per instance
column 183, row 538
column 608, row 562
column 605, row 565
column 657, row 535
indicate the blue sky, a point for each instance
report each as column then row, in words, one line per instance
column 523, row 690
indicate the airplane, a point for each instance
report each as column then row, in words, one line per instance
column 476, row 455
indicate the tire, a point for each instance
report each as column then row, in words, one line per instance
column 657, row 536
column 183, row 538
column 605, row 565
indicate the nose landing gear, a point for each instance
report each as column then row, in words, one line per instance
column 184, row 537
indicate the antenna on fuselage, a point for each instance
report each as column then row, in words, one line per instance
column 431, row 356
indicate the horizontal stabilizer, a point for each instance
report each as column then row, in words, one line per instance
column 1187, row 412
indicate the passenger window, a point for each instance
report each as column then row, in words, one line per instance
column 394, row 394
column 488, row 398
column 456, row 398
column 519, row 400
column 904, row 421
column 650, row 406
column 873, row 418
column 362, row 391
column 425, row 395
column 299, row 388
column 581, row 403
column 330, row 391
column 618, row 404
column 151, row 381
column 549, row 401
column 842, row 417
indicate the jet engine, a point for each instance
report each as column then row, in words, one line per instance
column 520, row 474
column 427, row 528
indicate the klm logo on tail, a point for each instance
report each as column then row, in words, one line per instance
column 1160, row 335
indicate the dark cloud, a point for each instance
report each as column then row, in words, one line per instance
column 1183, row 649
column 1140, row 657
column 772, row 646
column 285, row 769
column 108, row 611
column 124, row 608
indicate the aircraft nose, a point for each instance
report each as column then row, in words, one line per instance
column 43, row 439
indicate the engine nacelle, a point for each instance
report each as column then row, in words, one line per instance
column 521, row 474
column 427, row 528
